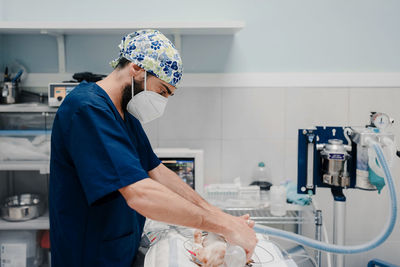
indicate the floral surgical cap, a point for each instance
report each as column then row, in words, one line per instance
column 153, row 52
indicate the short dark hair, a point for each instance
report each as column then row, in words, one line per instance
column 122, row 62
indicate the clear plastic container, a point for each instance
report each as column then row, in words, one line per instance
column 235, row 256
column 232, row 195
column 250, row 194
column 278, row 200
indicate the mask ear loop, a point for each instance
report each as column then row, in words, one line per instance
column 145, row 80
column 133, row 86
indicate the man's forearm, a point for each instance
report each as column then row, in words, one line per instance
column 155, row 201
column 171, row 180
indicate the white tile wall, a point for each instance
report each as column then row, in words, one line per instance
column 290, row 168
column 253, row 113
column 238, row 127
column 315, row 106
column 192, row 114
column 240, row 158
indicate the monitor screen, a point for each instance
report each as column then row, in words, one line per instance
column 183, row 167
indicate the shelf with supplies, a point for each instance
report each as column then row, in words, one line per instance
column 40, row 223
column 25, row 131
column 26, row 107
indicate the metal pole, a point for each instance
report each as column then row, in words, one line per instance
column 318, row 235
column 10, row 183
column 300, row 224
column 339, row 218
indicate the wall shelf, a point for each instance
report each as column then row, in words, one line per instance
column 42, row 166
column 40, row 223
column 60, row 29
column 184, row 28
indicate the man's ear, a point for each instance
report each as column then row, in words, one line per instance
column 136, row 72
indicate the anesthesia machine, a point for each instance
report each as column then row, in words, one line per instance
column 341, row 158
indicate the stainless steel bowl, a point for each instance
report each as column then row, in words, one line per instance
column 22, row 207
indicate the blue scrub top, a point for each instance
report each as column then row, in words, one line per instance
column 94, row 152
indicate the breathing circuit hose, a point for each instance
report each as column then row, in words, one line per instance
column 347, row 249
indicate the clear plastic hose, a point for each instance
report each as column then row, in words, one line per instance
column 347, row 249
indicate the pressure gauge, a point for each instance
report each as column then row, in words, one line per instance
column 380, row 120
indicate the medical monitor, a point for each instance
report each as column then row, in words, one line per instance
column 186, row 163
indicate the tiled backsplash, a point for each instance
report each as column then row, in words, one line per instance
column 238, row 127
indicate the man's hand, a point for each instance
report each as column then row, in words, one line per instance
column 240, row 233
column 246, row 217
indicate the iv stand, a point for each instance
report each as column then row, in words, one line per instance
column 339, row 219
column 318, row 235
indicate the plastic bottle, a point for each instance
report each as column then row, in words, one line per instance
column 260, row 174
column 261, row 178
column 235, row 256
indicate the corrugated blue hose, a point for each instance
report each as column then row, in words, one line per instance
column 346, row 249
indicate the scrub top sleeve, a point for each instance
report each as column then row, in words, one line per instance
column 149, row 158
column 102, row 153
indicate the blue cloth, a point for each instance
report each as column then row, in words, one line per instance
column 94, row 152
column 293, row 197
column 374, row 178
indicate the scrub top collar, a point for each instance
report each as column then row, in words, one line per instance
column 107, row 97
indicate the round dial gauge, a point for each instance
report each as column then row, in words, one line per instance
column 380, row 120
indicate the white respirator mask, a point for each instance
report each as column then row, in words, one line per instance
column 146, row 105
